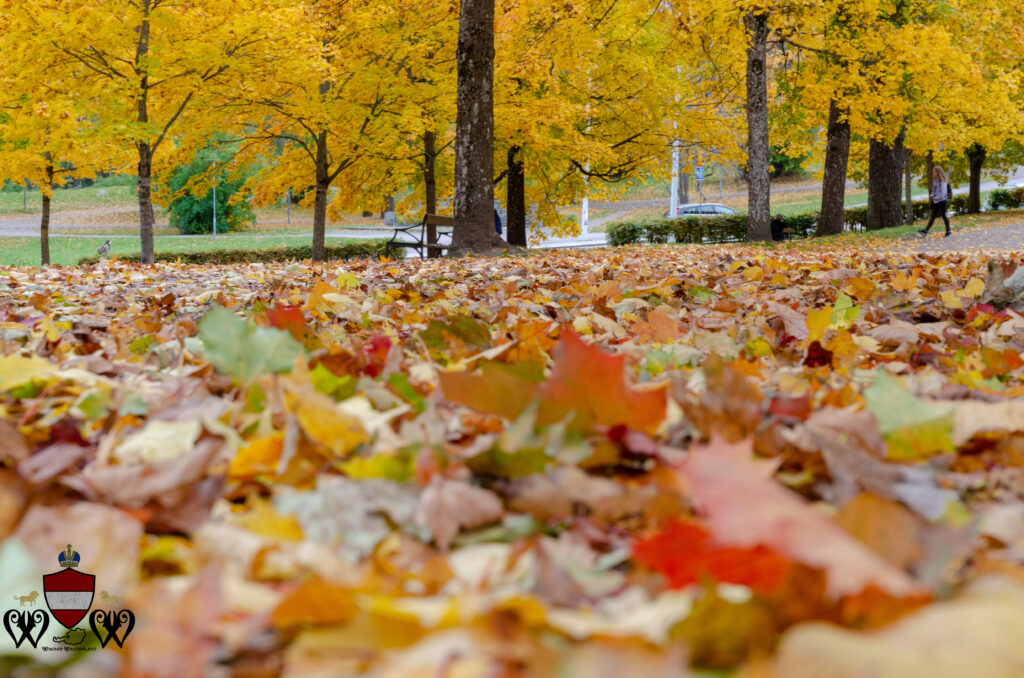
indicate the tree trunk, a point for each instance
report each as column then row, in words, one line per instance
column 759, row 191
column 684, row 188
column 976, row 154
column 430, row 186
column 928, row 171
column 323, row 182
column 145, row 183
column 885, row 178
column 516, row 205
column 44, row 222
column 474, row 132
column 908, row 216
column 146, row 219
column 390, row 215
column 837, row 157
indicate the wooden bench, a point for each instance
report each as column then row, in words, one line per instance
column 424, row 236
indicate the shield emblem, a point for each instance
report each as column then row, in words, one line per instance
column 69, row 595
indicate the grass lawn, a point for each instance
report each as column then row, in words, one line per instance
column 67, row 199
column 67, row 250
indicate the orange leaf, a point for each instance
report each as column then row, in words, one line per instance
column 257, row 457
column 591, row 384
column 685, row 553
column 315, row 602
column 744, row 509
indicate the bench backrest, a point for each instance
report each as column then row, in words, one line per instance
column 435, row 220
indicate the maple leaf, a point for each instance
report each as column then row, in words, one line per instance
column 912, row 427
column 590, row 385
column 686, row 553
column 745, row 509
column 448, row 506
column 244, row 352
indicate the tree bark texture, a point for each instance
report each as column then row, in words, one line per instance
column 929, row 169
column 976, row 154
column 908, row 206
column 516, row 204
column 684, row 188
column 323, row 182
column 837, row 157
column 146, row 218
column 44, row 222
column 430, row 186
column 759, row 190
column 145, row 184
column 885, row 179
column 474, row 132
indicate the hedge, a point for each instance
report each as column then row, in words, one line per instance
column 364, row 249
column 1003, row 198
column 733, row 227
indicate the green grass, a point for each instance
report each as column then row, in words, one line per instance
column 67, row 250
column 66, row 199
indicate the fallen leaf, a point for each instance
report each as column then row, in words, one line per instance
column 745, row 509
column 448, row 506
column 977, row 634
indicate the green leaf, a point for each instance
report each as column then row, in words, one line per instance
column 141, row 345
column 912, row 427
column 328, row 383
column 844, row 314
column 400, row 383
column 242, row 350
column 457, row 337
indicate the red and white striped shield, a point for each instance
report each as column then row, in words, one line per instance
column 69, row 595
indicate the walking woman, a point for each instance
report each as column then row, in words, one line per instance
column 940, row 194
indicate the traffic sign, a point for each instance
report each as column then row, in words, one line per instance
column 699, row 171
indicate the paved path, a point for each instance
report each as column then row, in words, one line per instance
column 1007, row 238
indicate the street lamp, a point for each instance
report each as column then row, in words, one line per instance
column 214, row 166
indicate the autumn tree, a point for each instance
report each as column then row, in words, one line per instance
column 141, row 68
column 45, row 137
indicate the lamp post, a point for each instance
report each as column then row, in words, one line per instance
column 213, row 165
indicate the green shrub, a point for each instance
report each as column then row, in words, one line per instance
column 803, row 225
column 782, row 164
column 658, row 232
column 958, row 205
column 1017, row 197
column 856, row 218
column 687, row 230
column 624, row 233
column 192, row 213
column 1003, row 198
column 363, row 249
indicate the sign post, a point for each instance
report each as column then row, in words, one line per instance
column 699, row 173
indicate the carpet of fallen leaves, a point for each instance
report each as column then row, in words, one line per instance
column 632, row 462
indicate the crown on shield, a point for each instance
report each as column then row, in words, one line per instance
column 69, row 558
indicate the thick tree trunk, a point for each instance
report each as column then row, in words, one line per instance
column 430, row 186
column 684, row 188
column 908, row 207
column 474, row 132
column 885, row 179
column 516, row 205
column 145, row 183
column 146, row 219
column 976, row 154
column 323, row 182
column 759, row 191
column 837, row 157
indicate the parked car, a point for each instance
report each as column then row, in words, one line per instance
column 708, row 209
